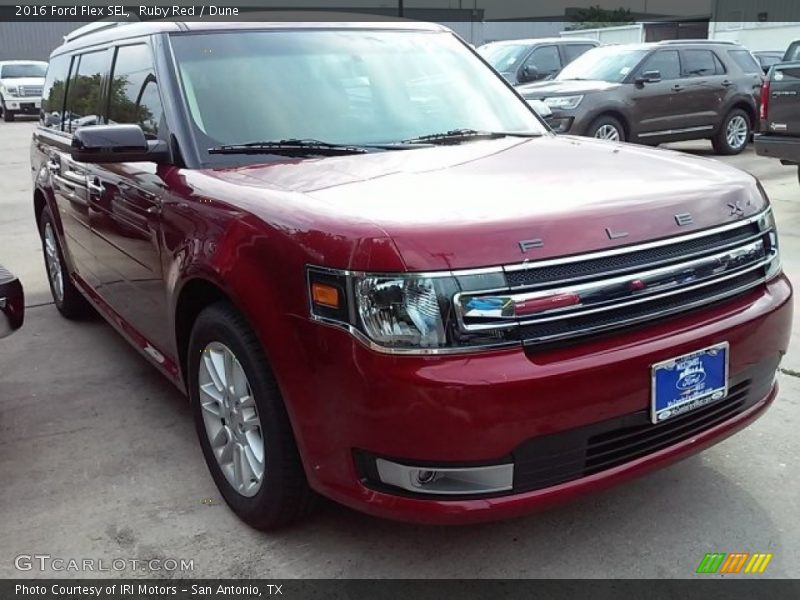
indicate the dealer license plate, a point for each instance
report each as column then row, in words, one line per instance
column 685, row 383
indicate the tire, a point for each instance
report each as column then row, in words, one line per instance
column 733, row 134
column 8, row 116
column 281, row 495
column 604, row 126
column 68, row 300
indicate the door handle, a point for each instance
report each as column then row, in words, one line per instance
column 678, row 88
column 727, row 83
column 53, row 166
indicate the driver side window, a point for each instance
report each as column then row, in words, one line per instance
column 665, row 62
column 545, row 60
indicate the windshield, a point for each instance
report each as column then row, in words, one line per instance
column 25, row 70
column 344, row 87
column 504, row 57
column 607, row 63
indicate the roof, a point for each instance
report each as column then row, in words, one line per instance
column 23, row 62
column 104, row 32
column 545, row 40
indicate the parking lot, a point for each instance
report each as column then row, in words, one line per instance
column 99, row 460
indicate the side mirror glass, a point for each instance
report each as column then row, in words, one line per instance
column 116, row 143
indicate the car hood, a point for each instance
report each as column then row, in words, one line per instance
column 471, row 205
column 567, row 87
column 23, row 81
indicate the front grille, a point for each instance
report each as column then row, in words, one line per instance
column 629, row 261
column 567, row 299
column 28, row 91
column 557, row 458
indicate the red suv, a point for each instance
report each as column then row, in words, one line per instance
column 378, row 276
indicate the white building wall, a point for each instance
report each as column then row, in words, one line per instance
column 756, row 36
column 624, row 34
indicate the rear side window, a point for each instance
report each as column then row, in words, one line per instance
column 85, row 90
column 134, row 96
column 701, row 63
column 573, row 51
column 745, row 61
column 55, row 89
column 665, row 62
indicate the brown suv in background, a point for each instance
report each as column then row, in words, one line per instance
column 657, row 92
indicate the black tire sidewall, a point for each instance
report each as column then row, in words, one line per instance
column 220, row 323
column 46, row 218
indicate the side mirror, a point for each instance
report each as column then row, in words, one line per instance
column 649, row 77
column 116, row 143
column 529, row 73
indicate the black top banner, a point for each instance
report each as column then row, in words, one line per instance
column 603, row 11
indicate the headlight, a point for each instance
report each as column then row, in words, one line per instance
column 563, row 102
column 767, row 225
column 12, row 90
column 405, row 313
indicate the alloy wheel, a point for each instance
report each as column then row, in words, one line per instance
column 231, row 419
column 607, row 132
column 53, row 260
column 736, row 132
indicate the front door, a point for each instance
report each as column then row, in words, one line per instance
column 657, row 107
column 125, row 208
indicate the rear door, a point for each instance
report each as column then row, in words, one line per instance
column 125, row 204
column 68, row 177
column 704, row 89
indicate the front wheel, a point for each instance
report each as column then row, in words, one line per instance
column 242, row 423
column 733, row 134
column 8, row 116
column 608, row 128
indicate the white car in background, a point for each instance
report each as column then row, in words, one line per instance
column 21, row 83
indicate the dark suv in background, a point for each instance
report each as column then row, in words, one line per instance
column 525, row 61
column 657, row 92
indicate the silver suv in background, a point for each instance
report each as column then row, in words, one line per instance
column 525, row 61
column 21, row 83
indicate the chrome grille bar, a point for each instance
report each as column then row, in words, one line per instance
column 716, row 264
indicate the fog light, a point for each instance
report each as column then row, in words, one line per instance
column 446, row 480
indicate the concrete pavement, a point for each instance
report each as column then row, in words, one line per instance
column 99, row 459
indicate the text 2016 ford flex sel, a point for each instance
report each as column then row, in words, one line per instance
column 379, row 277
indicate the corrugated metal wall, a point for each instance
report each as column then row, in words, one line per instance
column 32, row 41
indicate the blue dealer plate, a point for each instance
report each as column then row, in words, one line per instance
column 682, row 384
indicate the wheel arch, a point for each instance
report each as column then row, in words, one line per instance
column 618, row 115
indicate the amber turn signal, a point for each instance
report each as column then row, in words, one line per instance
column 326, row 295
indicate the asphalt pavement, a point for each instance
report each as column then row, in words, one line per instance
column 99, row 460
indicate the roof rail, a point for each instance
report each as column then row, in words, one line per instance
column 100, row 25
column 698, row 41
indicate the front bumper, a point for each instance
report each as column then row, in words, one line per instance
column 348, row 402
column 28, row 106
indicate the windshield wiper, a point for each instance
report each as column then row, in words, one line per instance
column 290, row 147
column 456, row 136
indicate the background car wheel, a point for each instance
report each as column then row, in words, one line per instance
column 8, row 116
column 242, row 424
column 68, row 300
column 607, row 128
column 734, row 133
